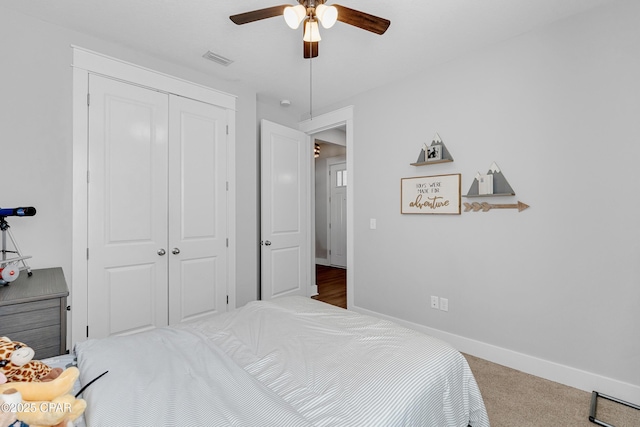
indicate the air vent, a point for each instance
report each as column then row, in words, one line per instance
column 217, row 58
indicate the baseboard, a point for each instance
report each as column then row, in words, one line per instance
column 552, row 371
column 323, row 261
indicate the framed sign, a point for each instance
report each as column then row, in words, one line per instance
column 439, row 194
column 433, row 152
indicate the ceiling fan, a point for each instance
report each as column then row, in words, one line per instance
column 314, row 11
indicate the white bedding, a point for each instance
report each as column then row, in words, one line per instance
column 288, row 362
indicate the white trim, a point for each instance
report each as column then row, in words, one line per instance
column 312, row 288
column 328, row 121
column 79, row 234
column 231, row 209
column 552, row 371
column 86, row 62
column 343, row 116
column 114, row 68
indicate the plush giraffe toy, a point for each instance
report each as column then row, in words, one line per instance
column 17, row 365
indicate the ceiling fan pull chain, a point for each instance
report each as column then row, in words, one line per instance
column 310, row 82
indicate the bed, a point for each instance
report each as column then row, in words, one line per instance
column 291, row 361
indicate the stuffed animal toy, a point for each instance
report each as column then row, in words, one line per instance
column 63, row 384
column 17, row 364
column 7, row 417
column 44, row 404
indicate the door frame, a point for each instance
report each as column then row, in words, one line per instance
column 87, row 62
column 340, row 117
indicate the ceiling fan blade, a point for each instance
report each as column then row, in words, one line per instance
column 310, row 49
column 362, row 20
column 256, row 15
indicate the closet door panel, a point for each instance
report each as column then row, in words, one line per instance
column 127, row 214
column 197, row 209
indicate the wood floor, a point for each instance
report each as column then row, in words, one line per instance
column 332, row 285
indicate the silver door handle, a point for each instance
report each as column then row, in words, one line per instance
column 175, row 251
column 267, row 243
column 161, row 252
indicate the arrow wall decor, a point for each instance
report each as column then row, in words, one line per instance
column 485, row 207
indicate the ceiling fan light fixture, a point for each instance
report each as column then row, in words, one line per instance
column 311, row 31
column 293, row 15
column 328, row 15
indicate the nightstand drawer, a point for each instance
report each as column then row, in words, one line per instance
column 29, row 306
column 29, row 315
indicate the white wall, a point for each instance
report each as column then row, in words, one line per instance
column 268, row 110
column 558, row 109
column 36, row 142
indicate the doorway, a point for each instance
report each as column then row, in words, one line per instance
column 330, row 183
column 338, row 118
column 330, row 224
column 332, row 285
column 342, row 117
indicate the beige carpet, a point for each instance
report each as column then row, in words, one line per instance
column 516, row 399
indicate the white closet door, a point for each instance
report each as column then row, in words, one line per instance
column 197, row 209
column 127, row 212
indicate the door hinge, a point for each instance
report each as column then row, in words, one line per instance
column 227, row 299
column 87, row 253
column 88, row 177
column 88, row 99
column 227, row 185
column 87, row 331
column 227, row 129
column 227, row 242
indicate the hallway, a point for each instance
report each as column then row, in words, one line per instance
column 332, row 285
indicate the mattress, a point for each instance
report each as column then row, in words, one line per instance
column 289, row 362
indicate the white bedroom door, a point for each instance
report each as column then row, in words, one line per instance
column 285, row 202
column 127, row 211
column 197, row 248
column 338, row 215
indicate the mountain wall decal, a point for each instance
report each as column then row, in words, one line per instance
column 501, row 186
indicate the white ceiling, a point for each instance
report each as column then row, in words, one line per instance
column 267, row 54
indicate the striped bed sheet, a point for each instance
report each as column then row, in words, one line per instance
column 288, row 362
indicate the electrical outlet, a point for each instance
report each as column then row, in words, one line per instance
column 444, row 304
column 434, row 302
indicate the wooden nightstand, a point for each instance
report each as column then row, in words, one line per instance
column 33, row 310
